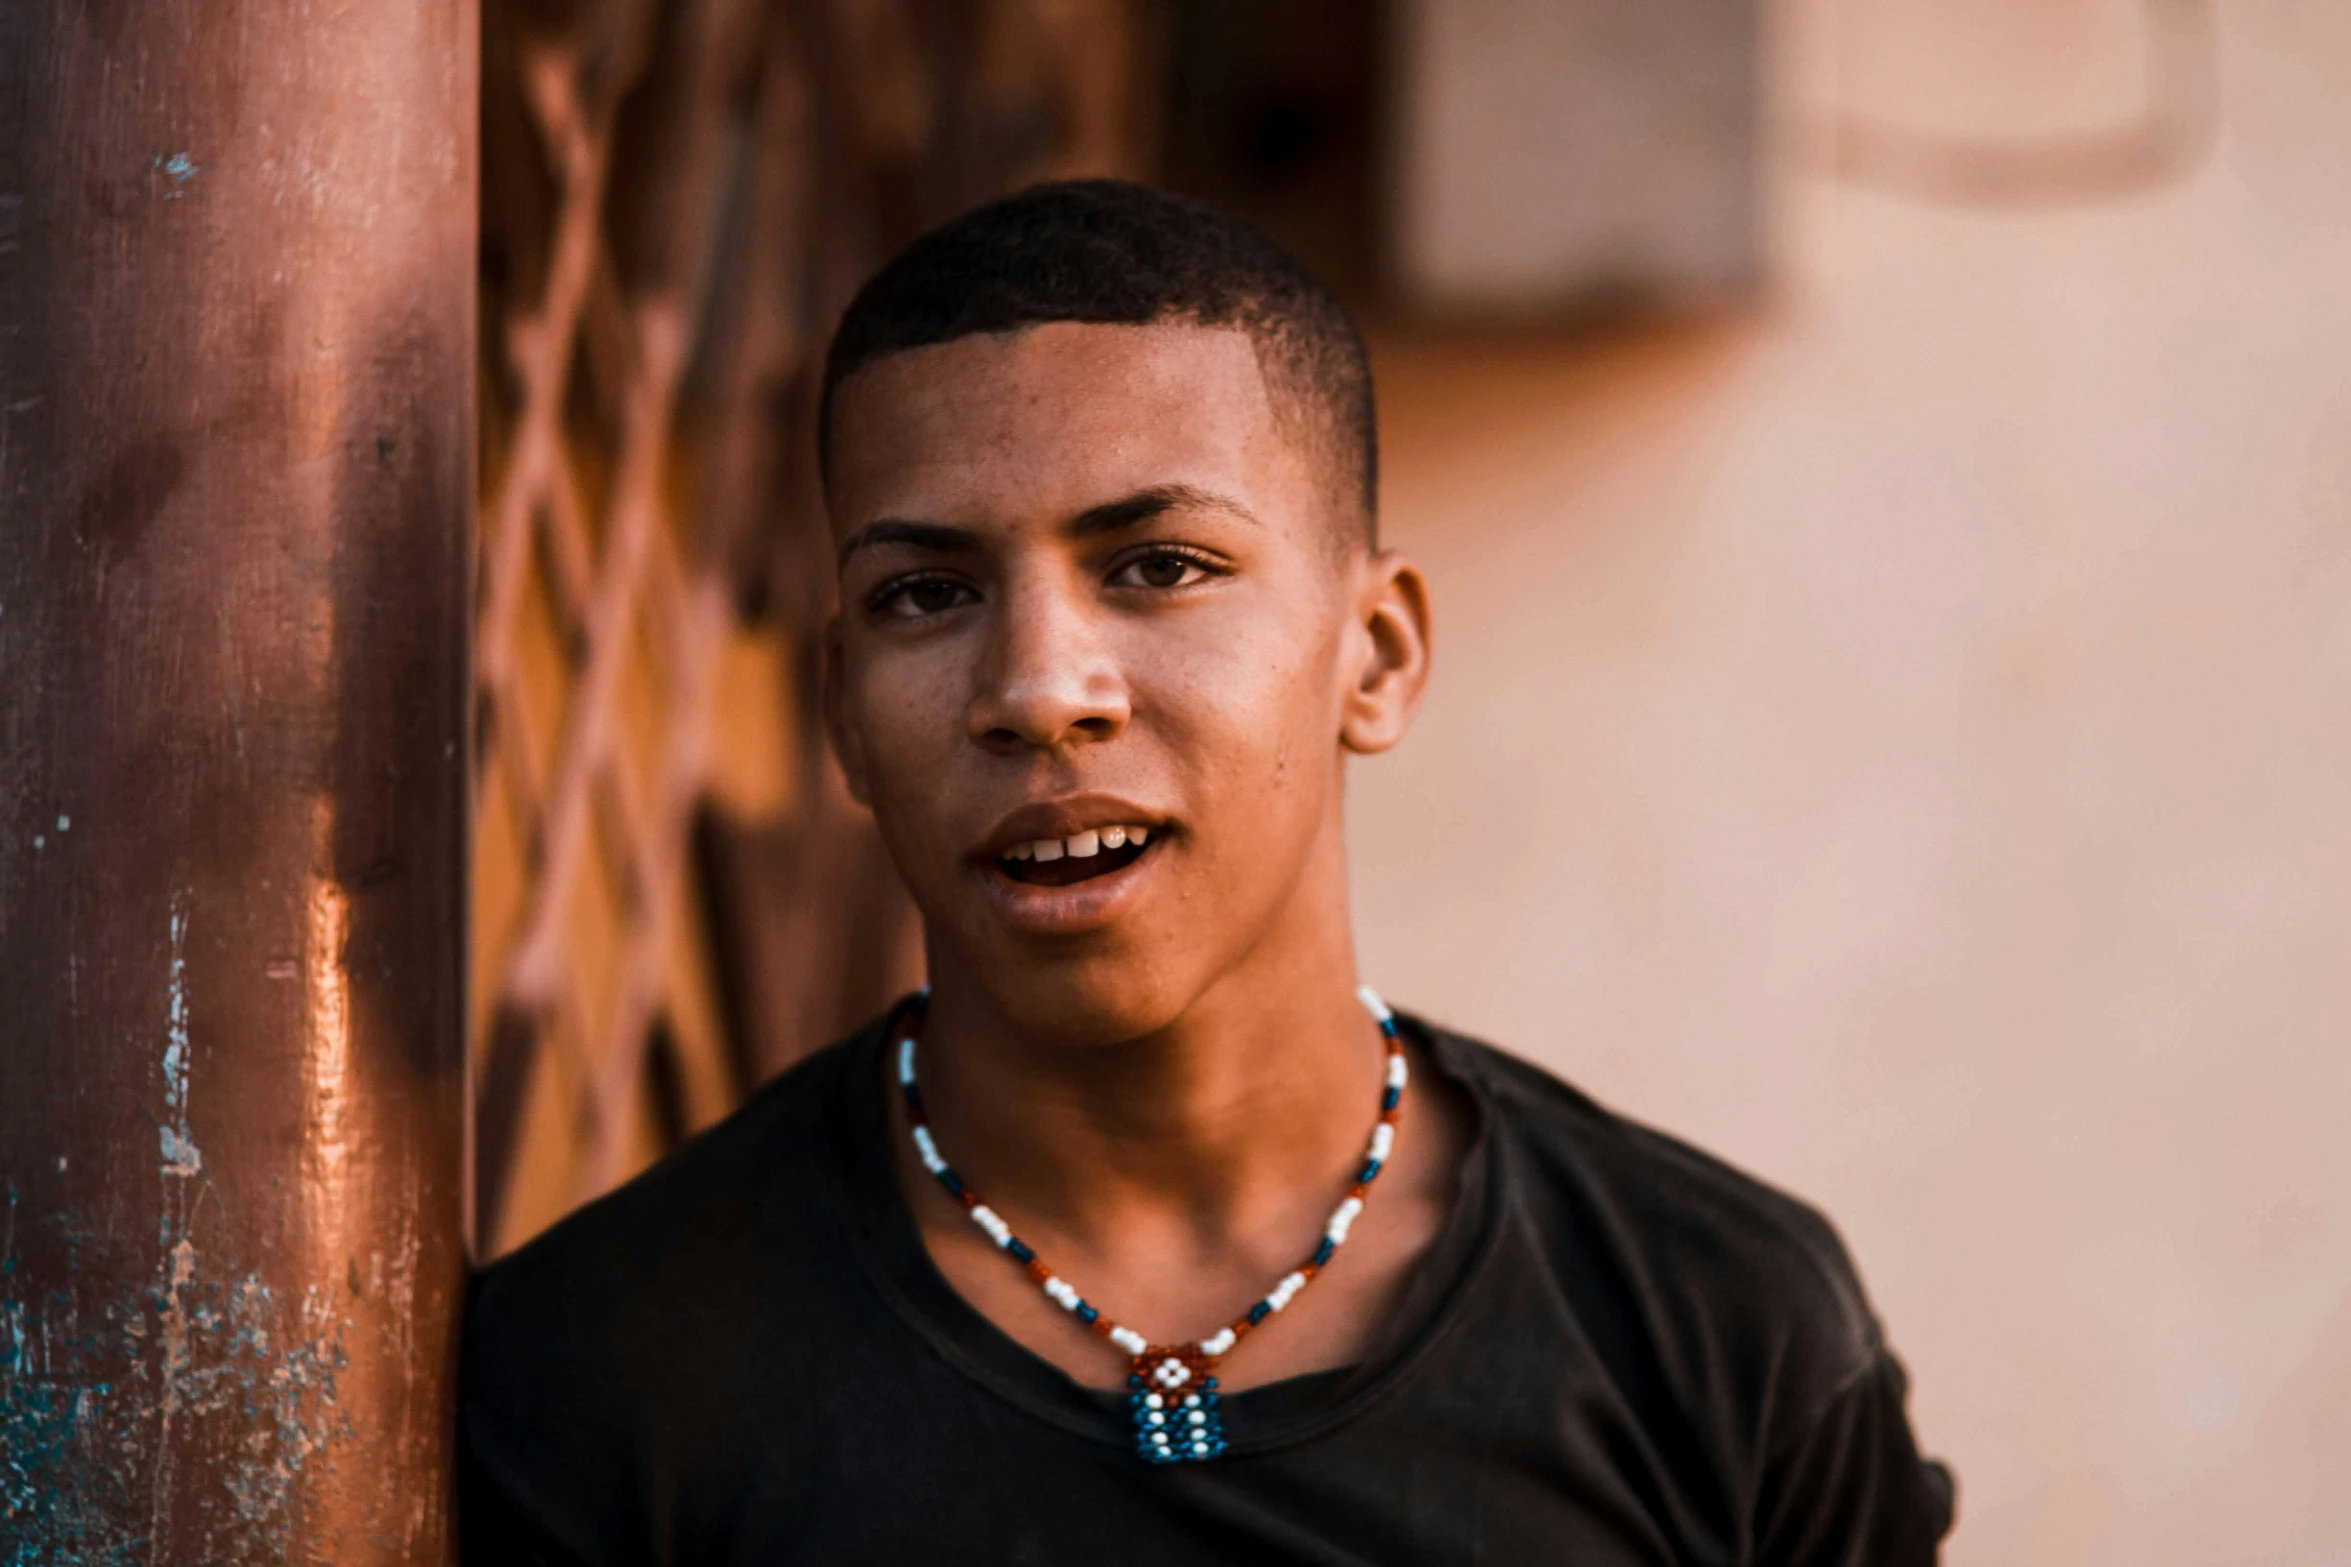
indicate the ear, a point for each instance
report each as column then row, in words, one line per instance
column 837, row 728
column 1391, row 649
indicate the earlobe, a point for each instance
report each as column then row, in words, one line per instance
column 1394, row 625
column 838, row 730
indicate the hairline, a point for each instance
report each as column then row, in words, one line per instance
column 1312, row 422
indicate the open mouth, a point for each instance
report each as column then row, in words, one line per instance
column 1082, row 856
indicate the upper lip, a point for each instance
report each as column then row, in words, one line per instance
column 1061, row 818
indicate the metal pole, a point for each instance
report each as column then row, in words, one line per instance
column 236, row 474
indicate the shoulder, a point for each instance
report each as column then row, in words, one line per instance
column 689, row 1212
column 615, row 1335
column 1710, row 1271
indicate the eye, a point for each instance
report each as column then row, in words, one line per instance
column 1161, row 569
column 913, row 598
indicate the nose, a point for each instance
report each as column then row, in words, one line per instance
column 1048, row 678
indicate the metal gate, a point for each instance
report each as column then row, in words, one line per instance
column 672, row 897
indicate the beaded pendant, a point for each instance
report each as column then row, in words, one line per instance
column 1171, row 1388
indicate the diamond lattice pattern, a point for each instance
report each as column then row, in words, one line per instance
column 672, row 898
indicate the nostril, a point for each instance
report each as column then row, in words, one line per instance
column 1004, row 737
column 1042, row 714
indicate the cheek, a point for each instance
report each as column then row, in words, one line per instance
column 1251, row 713
column 903, row 707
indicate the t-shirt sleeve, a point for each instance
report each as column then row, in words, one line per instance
column 1850, row 1489
column 543, row 1473
column 495, row 1529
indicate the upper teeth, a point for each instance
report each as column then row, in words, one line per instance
column 1080, row 845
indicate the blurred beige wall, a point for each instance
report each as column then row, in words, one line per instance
column 1901, row 740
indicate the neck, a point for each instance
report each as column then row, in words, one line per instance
column 1262, row 1088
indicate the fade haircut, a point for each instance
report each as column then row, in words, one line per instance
column 1112, row 253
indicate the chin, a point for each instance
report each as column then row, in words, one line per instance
column 1095, row 947
column 1101, row 993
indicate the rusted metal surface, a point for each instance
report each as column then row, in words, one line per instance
column 672, row 898
column 236, row 467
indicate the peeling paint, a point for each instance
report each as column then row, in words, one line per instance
column 99, row 1400
column 180, row 1156
column 179, row 168
column 226, row 1368
column 180, row 1161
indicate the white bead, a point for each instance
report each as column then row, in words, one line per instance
column 1372, row 1003
column 1286, row 1291
column 929, row 1151
column 1220, row 1344
column 1129, row 1340
column 998, row 1231
column 1152, row 1401
column 1062, row 1293
column 1198, row 1417
column 1191, row 1401
column 1342, row 1217
column 906, row 1059
column 1383, row 1138
column 1396, row 1070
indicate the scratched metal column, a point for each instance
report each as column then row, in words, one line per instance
column 236, row 347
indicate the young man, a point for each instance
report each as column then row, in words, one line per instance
column 1260, row 1274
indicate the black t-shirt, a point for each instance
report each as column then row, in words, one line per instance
column 1617, row 1351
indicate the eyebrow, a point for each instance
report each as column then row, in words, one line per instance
column 1105, row 517
column 1143, row 505
column 894, row 530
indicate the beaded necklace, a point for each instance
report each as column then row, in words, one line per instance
column 1171, row 1388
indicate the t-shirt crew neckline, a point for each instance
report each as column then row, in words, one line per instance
column 888, row 1245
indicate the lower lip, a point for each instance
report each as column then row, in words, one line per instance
column 1073, row 910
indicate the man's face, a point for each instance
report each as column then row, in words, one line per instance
column 1090, row 592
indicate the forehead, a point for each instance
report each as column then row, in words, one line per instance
column 1055, row 418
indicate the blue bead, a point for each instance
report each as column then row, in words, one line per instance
column 1389, row 1096
column 1020, row 1250
column 1388, row 1026
column 1086, row 1313
column 1371, row 1167
column 952, row 1181
column 1134, row 1380
column 1322, row 1253
column 1259, row 1312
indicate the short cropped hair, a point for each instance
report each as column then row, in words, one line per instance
column 1113, row 253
